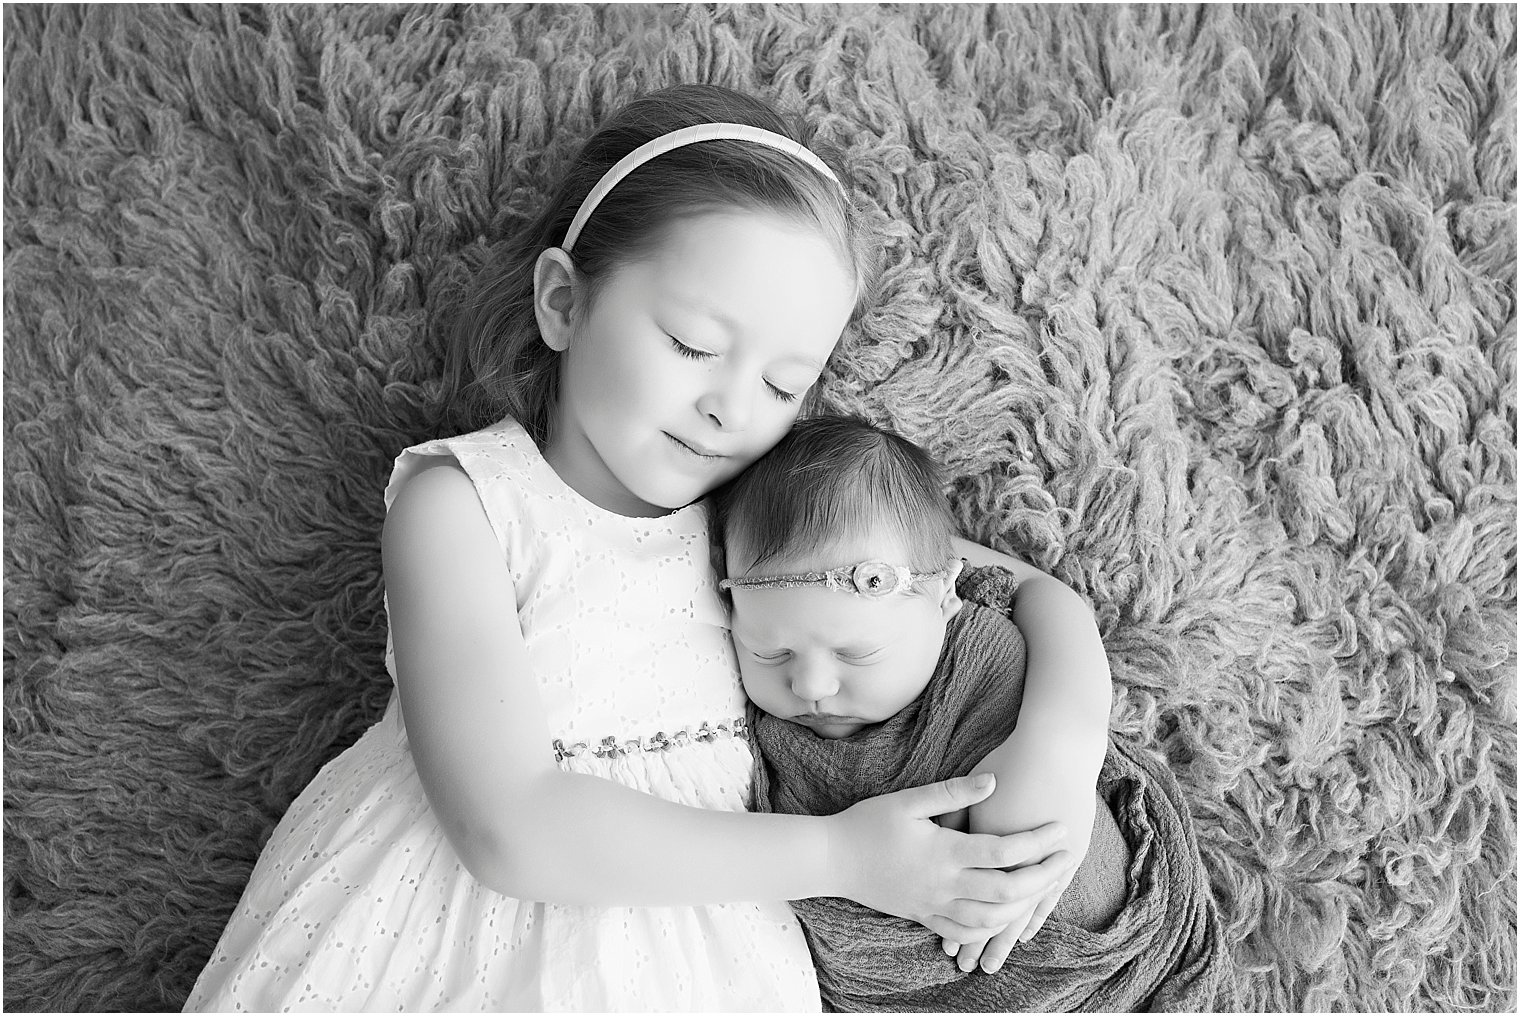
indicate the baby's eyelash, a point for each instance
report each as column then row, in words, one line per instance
column 784, row 396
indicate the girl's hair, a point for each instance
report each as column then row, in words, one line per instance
column 833, row 478
column 497, row 364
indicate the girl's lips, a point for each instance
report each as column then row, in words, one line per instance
column 696, row 450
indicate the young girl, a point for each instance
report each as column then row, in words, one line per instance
column 550, row 813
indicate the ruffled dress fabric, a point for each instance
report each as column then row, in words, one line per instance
column 358, row 902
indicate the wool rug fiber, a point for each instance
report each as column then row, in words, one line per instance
column 1209, row 311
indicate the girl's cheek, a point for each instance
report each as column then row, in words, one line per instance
column 783, row 423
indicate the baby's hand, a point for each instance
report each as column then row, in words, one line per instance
column 888, row 854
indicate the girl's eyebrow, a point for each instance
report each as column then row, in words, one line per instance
column 696, row 305
column 693, row 304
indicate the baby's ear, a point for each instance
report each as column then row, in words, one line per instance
column 950, row 604
column 556, row 287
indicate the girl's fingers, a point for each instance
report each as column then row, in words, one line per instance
column 945, row 796
column 959, row 820
column 954, row 932
column 998, row 949
column 987, row 919
column 969, row 955
column 1037, row 919
column 983, row 850
column 990, row 885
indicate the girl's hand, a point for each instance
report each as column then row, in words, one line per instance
column 888, row 854
column 1078, row 819
column 991, row 953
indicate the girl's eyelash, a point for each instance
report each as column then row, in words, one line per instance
column 697, row 354
column 687, row 351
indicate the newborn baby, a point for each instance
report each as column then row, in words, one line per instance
column 875, row 662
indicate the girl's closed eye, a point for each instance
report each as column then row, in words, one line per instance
column 690, row 352
column 693, row 353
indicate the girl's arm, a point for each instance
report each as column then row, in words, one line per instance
column 1048, row 768
column 1067, row 687
column 1067, row 680
column 524, row 827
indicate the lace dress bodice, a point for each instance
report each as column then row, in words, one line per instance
column 621, row 616
column 359, row 902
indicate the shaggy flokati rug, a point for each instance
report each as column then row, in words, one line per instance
column 1211, row 312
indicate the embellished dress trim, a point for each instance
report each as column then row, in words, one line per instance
column 611, row 747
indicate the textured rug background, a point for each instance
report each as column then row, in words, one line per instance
column 1212, row 312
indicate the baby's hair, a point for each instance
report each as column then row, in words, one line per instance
column 497, row 363
column 833, row 478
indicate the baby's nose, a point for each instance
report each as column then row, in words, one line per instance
column 813, row 681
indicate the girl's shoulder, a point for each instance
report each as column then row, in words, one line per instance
column 502, row 451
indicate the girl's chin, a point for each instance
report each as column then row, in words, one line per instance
column 651, row 500
column 671, row 497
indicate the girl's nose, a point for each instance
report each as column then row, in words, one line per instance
column 812, row 680
column 728, row 405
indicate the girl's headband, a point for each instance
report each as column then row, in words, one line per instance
column 677, row 139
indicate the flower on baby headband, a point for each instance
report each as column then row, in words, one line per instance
column 868, row 578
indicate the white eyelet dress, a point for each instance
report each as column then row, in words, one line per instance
column 358, row 902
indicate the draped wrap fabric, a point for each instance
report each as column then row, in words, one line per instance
column 1150, row 940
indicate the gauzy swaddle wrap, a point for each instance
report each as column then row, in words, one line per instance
column 1148, row 941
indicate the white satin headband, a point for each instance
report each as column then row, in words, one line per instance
column 676, row 139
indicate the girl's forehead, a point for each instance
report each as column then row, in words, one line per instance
column 721, row 256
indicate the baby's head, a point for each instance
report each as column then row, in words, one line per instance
column 841, row 574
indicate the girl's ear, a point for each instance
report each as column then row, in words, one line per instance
column 556, row 287
column 950, row 603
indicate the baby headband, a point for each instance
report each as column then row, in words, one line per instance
column 868, row 578
column 677, row 139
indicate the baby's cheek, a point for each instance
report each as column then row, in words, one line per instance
column 766, row 693
column 753, row 687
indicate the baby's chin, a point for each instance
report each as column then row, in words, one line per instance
column 832, row 730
